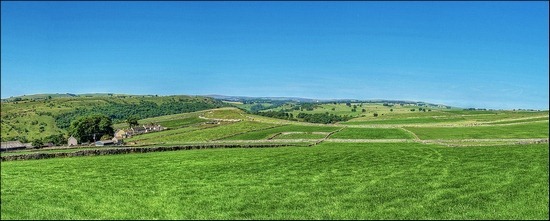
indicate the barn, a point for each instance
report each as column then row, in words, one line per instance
column 104, row 143
column 72, row 141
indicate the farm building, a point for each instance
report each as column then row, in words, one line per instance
column 116, row 141
column 72, row 141
column 12, row 145
column 121, row 134
column 104, row 143
column 138, row 130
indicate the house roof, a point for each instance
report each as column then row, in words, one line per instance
column 12, row 144
column 140, row 128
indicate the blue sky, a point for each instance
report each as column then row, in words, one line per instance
column 467, row 54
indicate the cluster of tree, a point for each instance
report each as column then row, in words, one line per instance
column 323, row 118
column 119, row 112
column 277, row 114
column 256, row 107
column 55, row 139
column 91, row 128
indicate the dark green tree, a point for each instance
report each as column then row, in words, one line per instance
column 38, row 143
column 132, row 121
column 90, row 128
column 56, row 139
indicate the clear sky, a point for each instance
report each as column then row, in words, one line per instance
column 466, row 54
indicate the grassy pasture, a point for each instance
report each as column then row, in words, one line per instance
column 415, row 120
column 300, row 136
column 370, row 108
column 182, row 122
column 371, row 133
column 267, row 133
column 328, row 181
column 151, row 137
column 176, row 120
column 446, row 116
column 505, row 115
column 210, row 133
column 224, row 113
column 520, row 120
column 528, row 130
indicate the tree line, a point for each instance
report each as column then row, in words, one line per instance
column 322, row 118
column 119, row 112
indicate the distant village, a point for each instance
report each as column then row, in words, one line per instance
column 72, row 141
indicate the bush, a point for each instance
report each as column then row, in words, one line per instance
column 38, row 143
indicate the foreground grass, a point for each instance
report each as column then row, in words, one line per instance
column 328, row 181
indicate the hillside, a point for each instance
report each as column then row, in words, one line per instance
column 30, row 117
column 26, row 118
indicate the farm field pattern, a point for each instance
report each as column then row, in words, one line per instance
column 441, row 164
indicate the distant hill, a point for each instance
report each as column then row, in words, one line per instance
column 58, row 95
column 30, row 117
column 310, row 100
column 37, row 116
column 246, row 98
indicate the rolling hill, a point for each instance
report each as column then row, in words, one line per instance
column 26, row 118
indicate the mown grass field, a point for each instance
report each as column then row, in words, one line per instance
column 307, row 135
column 328, row 181
column 451, row 117
column 527, row 130
column 199, row 133
column 265, row 134
column 372, row 133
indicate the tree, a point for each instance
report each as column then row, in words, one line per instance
column 90, row 128
column 132, row 121
column 38, row 143
column 363, row 110
column 56, row 139
column 375, row 114
column 391, row 110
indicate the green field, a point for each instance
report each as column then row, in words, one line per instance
column 199, row 133
column 372, row 133
column 300, row 136
column 265, row 134
column 415, row 120
column 451, row 117
column 528, row 130
column 328, row 181
column 441, row 164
